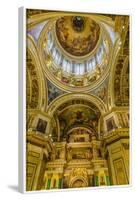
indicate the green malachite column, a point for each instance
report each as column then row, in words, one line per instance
column 96, row 181
column 107, row 180
column 60, row 183
column 48, row 184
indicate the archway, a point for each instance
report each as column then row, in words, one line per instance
column 78, row 182
column 73, row 110
column 56, row 103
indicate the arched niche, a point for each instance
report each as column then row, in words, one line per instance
column 81, row 104
column 78, row 182
column 81, row 134
column 78, row 178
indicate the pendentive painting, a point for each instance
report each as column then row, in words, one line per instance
column 77, row 92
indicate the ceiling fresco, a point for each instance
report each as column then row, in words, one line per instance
column 79, row 102
column 35, row 32
column 102, row 91
column 53, row 92
column 77, row 116
column 77, row 35
column 76, row 51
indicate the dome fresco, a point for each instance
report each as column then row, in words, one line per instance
column 77, row 35
column 75, row 50
column 78, row 50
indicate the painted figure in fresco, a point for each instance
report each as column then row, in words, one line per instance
column 53, row 92
column 78, row 45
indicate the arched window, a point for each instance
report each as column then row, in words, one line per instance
column 93, row 63
column 77, row 68
column 81, row 69
column 54, row 53
column 64, row 64
column 89, row 66
column 68, row 66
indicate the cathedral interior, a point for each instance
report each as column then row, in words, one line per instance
column 77, row 100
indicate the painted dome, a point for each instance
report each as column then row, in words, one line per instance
column 75, row 51
column 77, row 35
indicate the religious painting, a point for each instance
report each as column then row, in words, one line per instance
column 110, row 124
column 41, row 126
column 78, row 35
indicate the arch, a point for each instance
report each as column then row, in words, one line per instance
column 43, row 97
column 113, row 64
column 54, row 105
column 36, row 19
column 76, row 105
column 116, row 81
column 81, row 127
column 78, row 174
column 124, row 82
column 78, row 178
column 91, row 133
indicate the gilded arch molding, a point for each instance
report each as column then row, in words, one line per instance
column 78, row 178
column 124, row 81
column 85, row 128
column 43, row 96
column 114, row 60
column 72, row 96
column 36, row 19
column 122, row 27
column 79, row 174
column 112, row 91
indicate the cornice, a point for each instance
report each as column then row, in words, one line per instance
column 115, row 135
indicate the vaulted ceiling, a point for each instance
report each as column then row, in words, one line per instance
column 77, row 55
